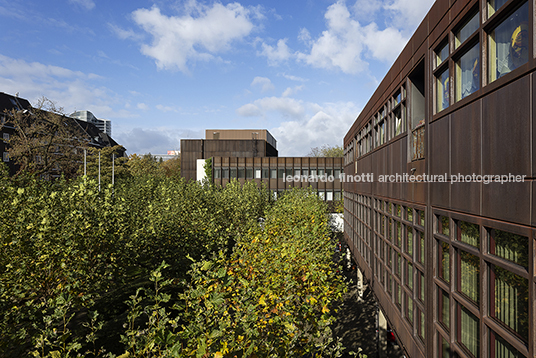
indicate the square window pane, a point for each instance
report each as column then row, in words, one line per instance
column 233, row 173
column 469, row 275
column 510, row 246
column 241, row 173
column 511, row 303
column 273, row 173
column 509, row 44
column 257, row 173
column 469, row 233
column 468, row 73
column 281, row 173
column 249, row 173
column 225, row 173
column 217, row 173
column 265, row 173
column 442, row 91
column 467, row 30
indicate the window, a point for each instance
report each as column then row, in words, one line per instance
column 249, row 173
column 441, row 54
column 409, row 241
column 469, row 275
column 444, row 308
column 494, row 5
column 442, row 91
column 241, row 173
column 297, row 172
column 6, row 137
column 502, row 349
column 468, row 233
column 329, row 195
column 444, row 261
column 225, row 173
column 281, row 172
column 265, row 173
column 510, row 301
column 233, row 173
column 466, row 30
column 217, row 173
column 443, row 225
column 508, row 44
column 6, row 157
column 510, row 246
column 468, row 73
column 469, row 333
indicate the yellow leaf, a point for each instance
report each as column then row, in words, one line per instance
column 262, row 301
column 218, row 355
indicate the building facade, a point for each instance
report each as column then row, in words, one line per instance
column 104, row 125
column 443, row 225
column 252, row 155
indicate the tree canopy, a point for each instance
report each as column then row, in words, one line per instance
column 326, row 151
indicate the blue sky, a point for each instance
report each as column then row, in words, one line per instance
column 162, row 70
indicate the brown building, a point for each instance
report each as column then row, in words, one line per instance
column 252, row 155
column 444, row 229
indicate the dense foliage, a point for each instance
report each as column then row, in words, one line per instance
column 82, row 272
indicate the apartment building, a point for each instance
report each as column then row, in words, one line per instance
column 443, row 225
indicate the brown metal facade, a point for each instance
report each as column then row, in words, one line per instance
column 282, row 173
column 450, row 252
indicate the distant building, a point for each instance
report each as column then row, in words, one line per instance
column 104, row 125
column 96, row 137
column 171, row 154
column 252, row 155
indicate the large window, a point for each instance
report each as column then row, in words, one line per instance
column 509, row 44
column 468, row 73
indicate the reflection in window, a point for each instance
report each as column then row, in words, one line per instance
column 273, row 173
column 217, row 173
column 468, row 73
column 225, row 173
column 467, row 30
column 265, row 173
column 443, row 225
column 469, row 277
column 233, row 173
column 410, row 309
column 508, row 44
column 444, row 264
column 442, row 54
column 469, row 331
column 511, row 300
column 510, row 246
column 444, row 308
column 494, row 5
column 442, row 90
column 469, row 233
column 409, row 240
column 445, row 348
column 503, row 349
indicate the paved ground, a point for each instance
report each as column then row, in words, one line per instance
column 356, row 323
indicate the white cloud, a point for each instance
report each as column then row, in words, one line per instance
column 163, row 108
column 407, row 14
column 264, row 83
column 287, row 107
column 304, row 125
column 71, row 90
column 290, row 91
column 198, row 35
column 276, row 55
column 324, row 124
column 142, row 106
column 353, row 37
column 87, row 4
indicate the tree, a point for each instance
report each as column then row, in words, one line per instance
column 172, row 167
column 45, row 142
column 146, row 164
column 326, row 151
column 120, row 167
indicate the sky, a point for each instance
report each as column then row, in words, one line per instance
column 163, row 71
